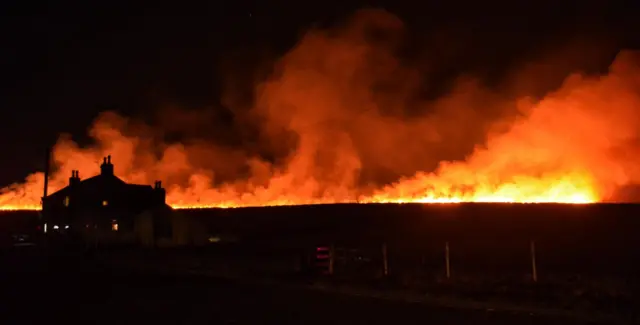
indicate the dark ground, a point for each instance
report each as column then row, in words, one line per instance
column 55, row 289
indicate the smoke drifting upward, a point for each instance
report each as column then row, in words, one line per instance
column 345, row 120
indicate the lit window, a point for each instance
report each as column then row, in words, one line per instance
column 66, row 201
column 105, row 203
column 114, row 225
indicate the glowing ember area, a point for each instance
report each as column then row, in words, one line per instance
column 341, row 119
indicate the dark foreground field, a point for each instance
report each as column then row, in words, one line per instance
column 56, row 289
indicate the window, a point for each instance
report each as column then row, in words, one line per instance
column 105, row 203
column 66, row 201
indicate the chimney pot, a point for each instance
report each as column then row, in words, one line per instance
column 160, row 193
column 106, row 168
column 74, row 179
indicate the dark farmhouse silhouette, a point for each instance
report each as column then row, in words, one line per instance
column 105, row 209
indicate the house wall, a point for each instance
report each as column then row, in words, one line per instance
column 144, row 229
column 181, row 229
column 89, row 218
column 163, row 227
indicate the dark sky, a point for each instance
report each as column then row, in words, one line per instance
column 64, row 62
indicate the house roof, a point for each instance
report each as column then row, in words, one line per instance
column 103, row 182
column 106, row 185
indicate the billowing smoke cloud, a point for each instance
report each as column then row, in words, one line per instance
column 341, row 119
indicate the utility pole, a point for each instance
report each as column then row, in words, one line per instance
column 47, row 164
column 43, row 218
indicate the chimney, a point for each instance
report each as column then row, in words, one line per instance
column 161, row 193
column 75, row 178
column 107, row 167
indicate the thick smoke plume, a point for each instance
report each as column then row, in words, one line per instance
column 341, row 119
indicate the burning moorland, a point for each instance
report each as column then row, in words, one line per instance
column 340, row 119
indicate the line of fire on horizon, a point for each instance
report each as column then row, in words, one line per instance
column 561, row 190
column 234, row 206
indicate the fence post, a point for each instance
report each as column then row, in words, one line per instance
column 332, row 254
column 534, row 269
column 447, row 260
column 385, row 260
column 297, row 263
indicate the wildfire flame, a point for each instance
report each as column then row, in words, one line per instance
column 341, row 121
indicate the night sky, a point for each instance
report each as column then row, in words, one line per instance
column 62, row 63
